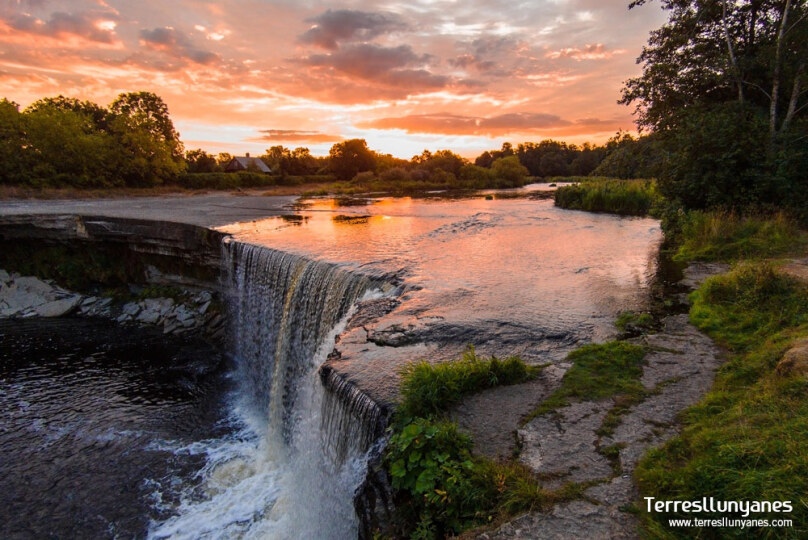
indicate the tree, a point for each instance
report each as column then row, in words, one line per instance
column 723, row 90
column 508, row 172
column 147, row 111
column 12, row 143
column 199, row 161
column 149, row 144
column 350, row 157
column 715, row 51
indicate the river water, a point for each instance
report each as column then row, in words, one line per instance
column 95, row 444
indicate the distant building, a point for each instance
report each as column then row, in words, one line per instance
column 247, row 163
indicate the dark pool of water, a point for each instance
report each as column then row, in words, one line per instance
column 86, row 409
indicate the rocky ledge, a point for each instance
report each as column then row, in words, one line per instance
column 28, row 296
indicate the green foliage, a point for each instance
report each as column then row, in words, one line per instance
column 221, row 180
column 199, row 161
column 629, row 157
column 348, row 158
column 598, row 372
column 746, row 439
column 548, row 158
column 428, row 389
column 721, row 236
column 64, row 142
column 723, row 89
column 624, row 197
column 509, row 170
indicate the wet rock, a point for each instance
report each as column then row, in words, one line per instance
column 795, row 361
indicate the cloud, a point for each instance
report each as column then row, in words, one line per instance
column 492, row 126
column 98, row 27
column 334, row 26
column 170, row 41
column 393, row 66
column 293, row 135
column 594, row 51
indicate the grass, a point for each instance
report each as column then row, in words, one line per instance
column 623, row 197
column 746, row 439
column 628, row 319
column 442, row 488
column 601, row 371
column 718, row 236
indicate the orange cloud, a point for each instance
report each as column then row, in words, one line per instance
column 595, row 51
column 292, row 135
column 493, row 126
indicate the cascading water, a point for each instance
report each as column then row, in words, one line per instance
column 300, row 449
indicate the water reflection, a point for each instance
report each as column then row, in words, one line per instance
column 501, row 273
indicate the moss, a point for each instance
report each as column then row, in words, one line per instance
column 746, row 439
column 598, row 372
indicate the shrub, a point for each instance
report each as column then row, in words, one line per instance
column 624, row 197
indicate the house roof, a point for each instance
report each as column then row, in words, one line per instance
column 245, row 162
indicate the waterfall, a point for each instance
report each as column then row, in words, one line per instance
column 302, row 447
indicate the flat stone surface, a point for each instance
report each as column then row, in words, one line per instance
column 576, row 520
column 563, row 444
column 58, row 308
column 209, row 210
column 493, row 416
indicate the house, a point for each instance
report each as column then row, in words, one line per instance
column 247, row 163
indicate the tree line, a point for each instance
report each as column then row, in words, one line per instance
column 64, row 141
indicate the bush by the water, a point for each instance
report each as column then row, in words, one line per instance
column 745, row 440
column 624, row 197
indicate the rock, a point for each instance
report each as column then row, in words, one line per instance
column 564, row 445
column 795, row 361
column 34, row 286
column 183, row 313
column 4, row 276
column 131, row 309
column 148, row 316
column 204, row 307
column 89, row 301
column 58, row 308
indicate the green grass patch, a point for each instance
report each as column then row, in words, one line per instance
column 717, row 236
column 628, row 319
column 624, row 197
column 598, row 372
column 746, row 440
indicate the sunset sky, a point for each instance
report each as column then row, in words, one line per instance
column 245, row 75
